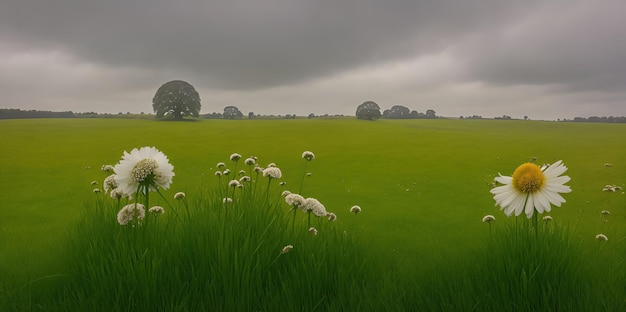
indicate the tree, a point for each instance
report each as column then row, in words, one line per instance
column 176, row 99
column 232, row 112
column 399, row 112
column 368, row 110
column 430, row 114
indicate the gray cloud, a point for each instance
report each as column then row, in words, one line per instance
column 462, row 56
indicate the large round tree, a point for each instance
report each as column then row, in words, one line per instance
column 368, row 110
column 176, row 99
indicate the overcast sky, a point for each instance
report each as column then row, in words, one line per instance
column 547, row 59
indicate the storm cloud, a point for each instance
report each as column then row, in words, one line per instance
column 488, row 57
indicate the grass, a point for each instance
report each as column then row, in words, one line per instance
column 423, row 186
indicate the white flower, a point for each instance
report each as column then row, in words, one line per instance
column 242, row 172
column 179, row 195
column 218, row 173
column 547, row 218
column 308, row 155
column 235, row 157
column 143, row 169
column 130, row 212
column 602, row 237
column 611, row 188
column 156, row 210
column 250, row 161
column 226, row 172
column 608, row 165
column 313, row 231
column 258, row 169
column 109, row 183
column 94, row 182
column 96, row 190
column 227, row 200
column 271, row 165
column 282, row 183
column 489, row 218
column 244, row 179
column 272, row 172
column 220, row 165
column 233, row 183
column 107, row 168
column 531, row 188
column 605, row 212
column 286, row 249
column 313, row 205
column 294, row 200
column 331, row 216
column 355, row 209
column 285, row 193
column 117, row 194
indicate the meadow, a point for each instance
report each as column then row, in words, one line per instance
column 418, row 244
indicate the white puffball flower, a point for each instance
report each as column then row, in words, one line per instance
column 313, row 231
column 179, row 195
column 235, row 157
column 313, row 205
column 355, row 209
column 250, row 161
column 130, row 212
column 331, row 216
column 156, row 210
column 233, row 183
column 308, row 155
column 602, row 237
column 489, row 218
column 272, row 172
column 294, row 200
column 286, row 249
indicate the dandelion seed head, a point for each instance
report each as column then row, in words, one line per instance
column 285, row 193
column 244, row 179
column 107, row 168
column 218, row 173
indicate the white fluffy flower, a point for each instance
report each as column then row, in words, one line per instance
column 308, row 155
column 143, row 167
column 130, row 212
column 602, row 237
column 313, row 205
column 272, row 172
column 313, row 231
column 233, row 183
column 294, row 200
column 227, row 200
column 235, row 157
column 179, row 195
column 107, row 168
column 531, row 188
column 156, row 210
column 250, row 161
column 109, row 183
column 355, row 209
column 286, row 249
column 331, row 216
column 489, row 218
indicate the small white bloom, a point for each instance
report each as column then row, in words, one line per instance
column 355, row 209
column 233, row 183
column 313, row 231
column 271, row 165
column 242, row 172
column 308, row 174
column 272, row 172
column 220, row 165
column 258, row 169
column 605, row 212
column 313, row 205
column 96, row 190
column 331, row 216
column 282, row 183
column 179, row 195
column 235, row 157
column 109, row 183
column 117, row 194
column 285, row 193
column 608, row 165
column 107, row 168
column 244, row 179
column 218, row 173
column 547, row 218
column 286, row 249
column 226, row 172
column 294, row 200
column 130, row 212
column 94, row 183
column 250, row 161
column 308, row 155
column 489, row 218
column 156, row 210
column 602, row 237
column 227, row 200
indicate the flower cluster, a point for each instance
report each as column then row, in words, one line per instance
column 611, row 188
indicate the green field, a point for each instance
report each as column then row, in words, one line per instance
column 423, row 185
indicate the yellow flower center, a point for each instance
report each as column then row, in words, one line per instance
column 528, row 178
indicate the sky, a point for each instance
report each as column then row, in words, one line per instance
column 545, row 59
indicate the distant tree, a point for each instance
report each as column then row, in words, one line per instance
column 525, row 117
column 387, row 113
column 399, row 112
column 251, row 115
column 368, row 110
column 414, row 114
column 232, row 112
column 430, row 114
column 311, row 115
column 176, row 99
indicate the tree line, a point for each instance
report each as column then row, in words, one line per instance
column 369, row 110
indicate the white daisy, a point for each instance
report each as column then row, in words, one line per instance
column 530, row 188
column 143, row 168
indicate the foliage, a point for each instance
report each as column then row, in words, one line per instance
column 232, row 112
column 176, row 99
column 368, row 110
